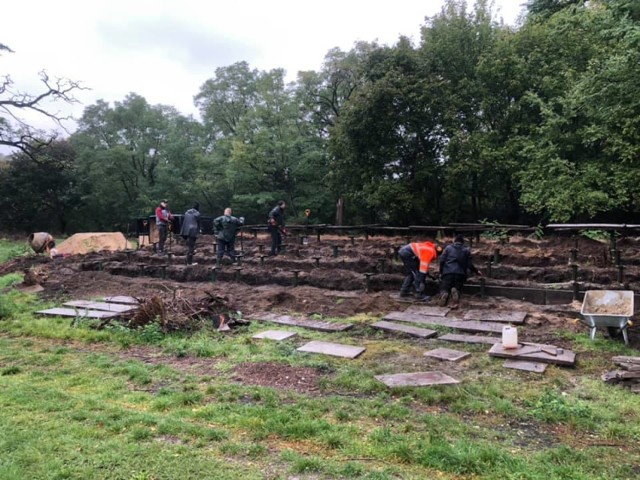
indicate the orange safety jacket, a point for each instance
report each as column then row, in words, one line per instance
column 426, row 253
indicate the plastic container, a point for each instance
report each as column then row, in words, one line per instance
column 509, row 337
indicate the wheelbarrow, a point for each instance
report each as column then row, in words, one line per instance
column 608, row 308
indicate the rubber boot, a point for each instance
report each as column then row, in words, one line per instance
column 442, row 299
column 455, row 298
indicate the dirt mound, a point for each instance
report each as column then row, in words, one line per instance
column 82, row 243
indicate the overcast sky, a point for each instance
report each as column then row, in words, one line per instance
column 164, row 50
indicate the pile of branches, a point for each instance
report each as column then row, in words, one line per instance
column 182, row 314
column 628, row 375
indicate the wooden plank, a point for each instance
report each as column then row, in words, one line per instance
column 77, row 312
column 335, row 349
column 447, row 354
column 122, row 299
column 516, row 318
column 416, row 379
column 108, row 307
column 622, row 359
column 428, row 311
column 535, row 367
column 457, row 337
column 301, row 322
column 532, row 351
column 415, row 331
column 455, row 323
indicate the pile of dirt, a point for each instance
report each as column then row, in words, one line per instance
column 82, row 243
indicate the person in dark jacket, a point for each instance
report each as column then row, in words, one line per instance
column 276, row 227
column 225, row 228
column 455, row 265
column 416, row 258
column 190, row 229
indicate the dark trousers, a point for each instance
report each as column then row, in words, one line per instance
column 411, row 268
column 452, row 280
column 276, row 240
column 191, row 249
column 228, row 247
column 162, row 233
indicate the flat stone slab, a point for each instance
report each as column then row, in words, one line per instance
column 535, row 352
column 447, row 354
column 460, row 338
column 535, row 367
column 276, row 335
column 428, row 310
column 455, row 323
column 417, row 379
column 77, row 312
column 108, row 307
column 411, row 299
column 395, row 327
column 335, row 349
column 516, row 318
column 122, row 299
column 302, row 322
column 37, row 288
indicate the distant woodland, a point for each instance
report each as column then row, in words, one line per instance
column 478, row 121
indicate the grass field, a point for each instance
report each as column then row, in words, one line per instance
column 75, row 405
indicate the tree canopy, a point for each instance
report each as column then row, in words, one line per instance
column 475, row 120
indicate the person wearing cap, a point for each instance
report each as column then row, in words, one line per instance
column 416, row 258
column 225, row 228
column 190, row 229
column 455, row 265
column 163, row 219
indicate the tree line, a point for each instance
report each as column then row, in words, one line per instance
column 478, row 120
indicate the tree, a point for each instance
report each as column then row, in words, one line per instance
column 15, row 132
column 43, row 194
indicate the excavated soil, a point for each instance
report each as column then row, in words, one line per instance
column 340, row 276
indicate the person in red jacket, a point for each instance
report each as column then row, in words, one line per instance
column 416, row 258
column 163, row 222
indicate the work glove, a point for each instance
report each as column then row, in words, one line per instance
column 241, row 219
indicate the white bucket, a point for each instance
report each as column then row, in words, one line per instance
column 509, row 337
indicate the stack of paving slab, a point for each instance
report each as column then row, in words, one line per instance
column 474, row 321
column 111, row 307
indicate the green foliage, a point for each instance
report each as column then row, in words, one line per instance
column 553, row 407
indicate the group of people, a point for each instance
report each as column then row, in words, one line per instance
column 225, row 228
column 455, row 264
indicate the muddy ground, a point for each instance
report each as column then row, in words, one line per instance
column 339, row 276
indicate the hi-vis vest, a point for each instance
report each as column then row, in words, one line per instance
column 426, row 253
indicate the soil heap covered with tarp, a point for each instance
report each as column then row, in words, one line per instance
column 82, row 243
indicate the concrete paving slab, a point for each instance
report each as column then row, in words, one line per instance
column 77, row 312
column 122, row 299
column 535, row 367
column 277, row 335
column 107, row 307
column 301, row 322
column 447, row 354
column 458, row 337
column 335, row 349
column 416, row 379
column 415, row 331
column 535, row 352
column 516, row 318
column 456, row 323
column 428, row 311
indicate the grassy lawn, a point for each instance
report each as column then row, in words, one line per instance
column 75, row 405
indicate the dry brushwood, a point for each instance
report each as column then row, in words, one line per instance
column 178, row 313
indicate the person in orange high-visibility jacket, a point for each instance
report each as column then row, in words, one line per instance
column 416, row 258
